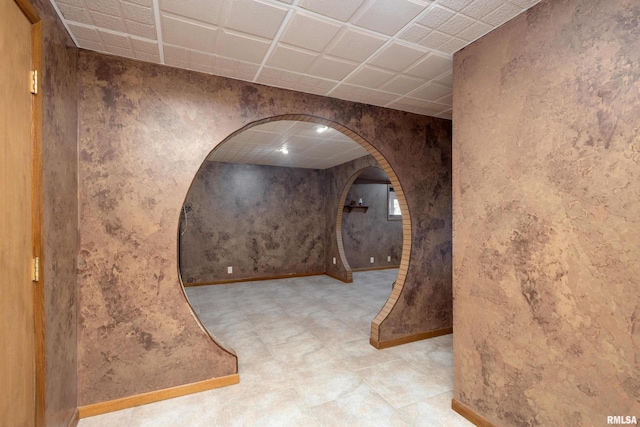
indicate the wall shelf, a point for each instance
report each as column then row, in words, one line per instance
column 356, row 208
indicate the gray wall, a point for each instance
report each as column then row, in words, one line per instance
column 261, row 220
column 370, row 234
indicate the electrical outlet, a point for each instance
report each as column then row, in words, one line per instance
column 334, row 260
column 388, row 258
column 371, row 260
column 229, row 270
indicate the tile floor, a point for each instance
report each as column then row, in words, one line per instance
column 305, row 360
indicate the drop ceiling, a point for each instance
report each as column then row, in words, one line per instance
column 289, row 143
column 390, row 53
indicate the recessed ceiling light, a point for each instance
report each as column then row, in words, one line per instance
column 321, row 129
column 284, row 150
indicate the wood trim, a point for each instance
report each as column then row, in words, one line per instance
column 156, row 396
column 37, row 212
column 411, row 338
column 333, row 276
column 75, row 418
column 470, row 414
column 252, row 279
column 29, row 11
column 384, row 267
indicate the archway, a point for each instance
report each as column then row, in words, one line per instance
column 341, row 269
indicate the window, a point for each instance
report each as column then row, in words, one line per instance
column 393, row 206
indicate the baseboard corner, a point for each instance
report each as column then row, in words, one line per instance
column 411, row 338
column 93, row 409
column 470, row 414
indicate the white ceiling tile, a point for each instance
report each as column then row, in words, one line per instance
column 147, row 57
column 407, row 105
column 447, row 99
column 435, row 17
column 270, row 73
column 434, row 40
column 431, row 92
column 452, row 45
column 147, row 3
column 109, row 22
column 355, row 45
column 120, row 51
column 525, row 4
column 176, row 52
column 115, row 40
column 370, row 77
column 144, row 46
column 290, row 78
column 337, row 9
column 176, row 62
column 457, row 5
column 456, row 24
column 502, row 14
column 331, row 68
column 414, row 33
column 475, row 31
column 76, row 14
column 188, row 34
column 76, row 3
column 309, row 32
column 397, row 56
column 290, row 58
column 388, row 17
column 85, row 33
column 430, row 67
column 203, row 10
column 244, row 48
column 446, row 115
column 255, row 17
column 142, row 30
column 286, row 1
column 108, row 7
column 137, row 13
column 322, row 84
column 446, row 79
column 480, row 8
column 402, row 85
column 91, row 45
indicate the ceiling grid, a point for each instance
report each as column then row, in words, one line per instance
column 390, row 53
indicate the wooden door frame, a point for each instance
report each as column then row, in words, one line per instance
column 36, row 212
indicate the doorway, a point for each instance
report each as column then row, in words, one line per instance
column 233, row 210
column 21, row 299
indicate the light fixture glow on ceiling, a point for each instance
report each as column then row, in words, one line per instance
column 284, row 150
column 321, row 129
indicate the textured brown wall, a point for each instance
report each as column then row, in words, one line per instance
column 546, row 207
column 262, row 220
column 337, row 179
column 370, row 234
column 60, row 218
column 144, row 132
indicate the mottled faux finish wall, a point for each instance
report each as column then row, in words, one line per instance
column 370, row 234
column 261, row 220
column 338, row 178
column 144, row 132
column 60, row 217
column 547, row 224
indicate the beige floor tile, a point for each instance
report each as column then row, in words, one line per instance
column 278, row 409
column 306, row 352
column 435, row 411
column 326, row 382
column 364, row 409
column 360, row 354
column 400, row 383
column 118, row 418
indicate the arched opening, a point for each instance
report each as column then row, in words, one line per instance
column 335, row 264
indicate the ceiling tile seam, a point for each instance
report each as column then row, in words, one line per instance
column 156, row 13
column 113, row 32
column 64, row 22
column 428, row 82
column 391, row 39
column 199, row 23
column 274, row 42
